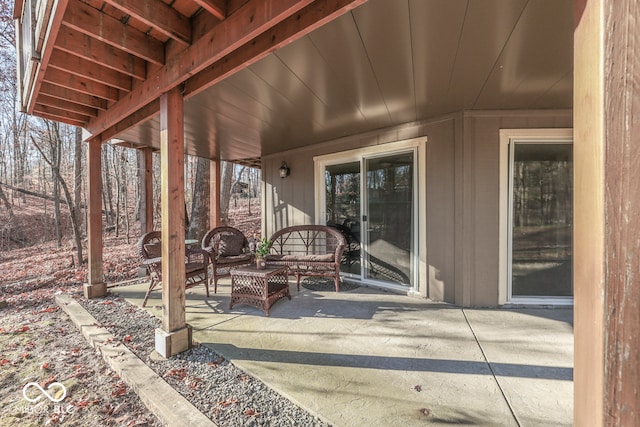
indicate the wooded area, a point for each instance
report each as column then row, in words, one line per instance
column 45, row 162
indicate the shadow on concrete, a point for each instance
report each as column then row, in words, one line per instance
column 393, row 363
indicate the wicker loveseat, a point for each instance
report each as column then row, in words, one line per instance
column 308, row 250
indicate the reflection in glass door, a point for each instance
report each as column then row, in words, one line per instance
column 342, row 198
column 541, row 220
column 388, row 229
column 376, row 216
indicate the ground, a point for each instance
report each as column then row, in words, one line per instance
column 42, row 348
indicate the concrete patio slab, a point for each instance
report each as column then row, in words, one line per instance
column 366, row 357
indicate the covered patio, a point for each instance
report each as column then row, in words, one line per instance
column 301, row 80
column 366, row 357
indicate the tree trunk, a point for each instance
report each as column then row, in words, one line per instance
column 125, row 193
column 55, row 170
column 11, row 229
column 225, row 189
column 200, row 206
column 77, row 173
column 116, row 175
column 106, row 188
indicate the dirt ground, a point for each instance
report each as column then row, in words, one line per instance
column 49, row 375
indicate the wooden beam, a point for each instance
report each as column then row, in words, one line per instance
column 66, row 105
column 62, row 115
column 214, row 194
column 158, row 15
column 621, row 167
column 252, row 19
column 75, row 65
column 589, row 218
column 94, row 225
column 56, row 118
column 172, row 196
column 93, row 23
column 217, row 8
column 100, row 53
column 292, row 28
column 80, row 84
column 17, row 9
column 607, row 213
column 71, row 95
column 146, row 112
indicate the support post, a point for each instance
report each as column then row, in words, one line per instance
column 607, row 213
column 214, row 194
column 175, row 335
column 95, row 286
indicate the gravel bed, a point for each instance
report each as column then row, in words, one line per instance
column 220, row 390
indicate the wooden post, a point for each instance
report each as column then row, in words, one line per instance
column 95, row 286
column 214, row 194
column 607, row 213
column 146, row 191
column 175, row 335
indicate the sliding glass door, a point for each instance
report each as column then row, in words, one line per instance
column 372, row 201
column 388, row 224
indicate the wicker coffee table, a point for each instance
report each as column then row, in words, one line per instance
column 259, row 288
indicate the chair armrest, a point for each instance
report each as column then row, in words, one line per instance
column 152, row 261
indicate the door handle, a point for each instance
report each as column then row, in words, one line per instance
column 364, row 218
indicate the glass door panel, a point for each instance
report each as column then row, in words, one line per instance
column 388, row 229
column 542, row 220
column 342, row 183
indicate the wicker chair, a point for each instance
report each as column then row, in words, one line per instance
column 150, row 251
column 227, row 248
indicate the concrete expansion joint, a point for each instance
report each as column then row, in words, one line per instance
column 493, row 374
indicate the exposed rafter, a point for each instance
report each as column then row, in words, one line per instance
column 61, row 115
column 158, row 15
column 68, row 80
column 67, row 105
column 217, row 8
column 74, row 96
column 100, row 53
column 87, row 20
column 75, row 65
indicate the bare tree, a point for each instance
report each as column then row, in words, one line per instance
column 54, row 137
column 77, row 187
column 225, row 189
column 200, row 202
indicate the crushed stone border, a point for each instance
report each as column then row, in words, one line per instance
column 163, row 400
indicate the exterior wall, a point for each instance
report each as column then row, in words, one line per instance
column 478, row 223
column 461, row 192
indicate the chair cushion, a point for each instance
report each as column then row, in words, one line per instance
column 302, row 258
column 154, row 250
column 230, row 245
column 192, row 267
column 233, row 259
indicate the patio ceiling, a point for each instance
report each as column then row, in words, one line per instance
column 381, row 64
